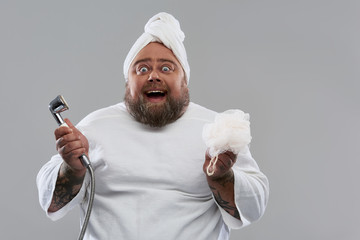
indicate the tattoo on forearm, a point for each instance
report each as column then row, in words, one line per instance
column 227, row 179
column 227, row 206
column 67, row 186
column 225, row 182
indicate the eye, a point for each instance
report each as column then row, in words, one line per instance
column 143, row 69
column 166, row 69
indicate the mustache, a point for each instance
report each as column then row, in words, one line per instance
column 152, row 85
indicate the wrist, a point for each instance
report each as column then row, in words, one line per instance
column 66, row 170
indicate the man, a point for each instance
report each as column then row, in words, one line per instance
column 149, row 157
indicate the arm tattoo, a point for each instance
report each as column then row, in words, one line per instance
column 227, row 206
column 67, row 186
column 225, row 183
column 227, row 179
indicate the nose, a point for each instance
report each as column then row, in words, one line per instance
column 154, row 77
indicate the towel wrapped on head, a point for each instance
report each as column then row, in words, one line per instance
column 229, row 132
column 165, row 29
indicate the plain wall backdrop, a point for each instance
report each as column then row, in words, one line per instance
column 293, row 65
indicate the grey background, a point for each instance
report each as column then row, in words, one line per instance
column 293, row 65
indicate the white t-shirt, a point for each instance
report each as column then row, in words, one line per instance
column 150, row 183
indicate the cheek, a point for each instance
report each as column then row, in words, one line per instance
column 178, row 89
column 133, row 89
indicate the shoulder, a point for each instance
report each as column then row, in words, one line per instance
column 114, row 111
column 198, row 112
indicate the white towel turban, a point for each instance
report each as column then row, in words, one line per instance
column 163, row 28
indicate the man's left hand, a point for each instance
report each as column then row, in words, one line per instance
column 223, row 165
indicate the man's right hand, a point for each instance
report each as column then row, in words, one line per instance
column 71, row 144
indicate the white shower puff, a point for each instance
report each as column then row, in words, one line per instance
column 229, row 132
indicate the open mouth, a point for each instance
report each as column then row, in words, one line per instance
column 155, row 95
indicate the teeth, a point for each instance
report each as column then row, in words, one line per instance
column 156, row 91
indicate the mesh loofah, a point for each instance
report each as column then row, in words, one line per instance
column 229, row 132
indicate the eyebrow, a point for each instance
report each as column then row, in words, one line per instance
column 158, row 60
column 167, row 60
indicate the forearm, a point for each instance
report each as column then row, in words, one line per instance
column 68, row 184
column 223, row 191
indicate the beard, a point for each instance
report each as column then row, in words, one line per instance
column 157, row 114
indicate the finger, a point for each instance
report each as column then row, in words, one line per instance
column 222, row 165
column 69, row 123
column 79, row 135
column 71, row 146
column 74, row 129
column 66, row 139
column 225, row 162
column 230, row 154
column 73, row 158
column 61, row 131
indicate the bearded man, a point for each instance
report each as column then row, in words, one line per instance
column 157, row 93
column 149, row 157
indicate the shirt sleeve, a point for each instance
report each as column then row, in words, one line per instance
column 46, row 181
column 251, row 192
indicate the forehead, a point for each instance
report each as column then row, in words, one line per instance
column 154, row 52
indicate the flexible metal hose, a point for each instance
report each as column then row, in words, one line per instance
column 87, row 164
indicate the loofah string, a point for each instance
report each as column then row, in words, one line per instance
column 212, row 165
